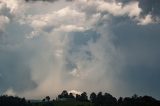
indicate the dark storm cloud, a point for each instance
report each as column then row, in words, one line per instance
column 151, row 7
column 15, row 74
column 140, row 46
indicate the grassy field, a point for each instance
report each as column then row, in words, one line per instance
column 62, row 103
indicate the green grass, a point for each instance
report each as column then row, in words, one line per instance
column 72, row 103
column 62, row 103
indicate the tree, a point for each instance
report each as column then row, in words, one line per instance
column 93, row 97
column 120, row 101
column 135, row 96
column 47, row 98
column 109, row 100
column 84, row 96
column 99, row 99
column 71, row 96
column 64, row 94
column 43, row 100
column 78, row 97
column 12, row 101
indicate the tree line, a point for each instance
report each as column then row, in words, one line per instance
column 107, row 99
column 99, row 99
column 12, row 101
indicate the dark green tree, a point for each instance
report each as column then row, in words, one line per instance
column 93, row 97
column 99, row 100
column 71, row 96
column 48, row 98
column 84, row 96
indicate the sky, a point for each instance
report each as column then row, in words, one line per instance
column 79, row 45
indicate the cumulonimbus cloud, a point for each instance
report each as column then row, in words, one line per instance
column 63, row 45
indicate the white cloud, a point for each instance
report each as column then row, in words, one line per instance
column 3, row 22
column 10, row 92
column 70, row 28
column 147, row 20
column 118, row 9
column 74, row 92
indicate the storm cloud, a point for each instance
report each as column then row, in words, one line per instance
column 81, row 45
column 149, row 7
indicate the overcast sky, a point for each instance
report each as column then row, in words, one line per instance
column 83, row 45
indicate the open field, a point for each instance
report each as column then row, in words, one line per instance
column 63, row 103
